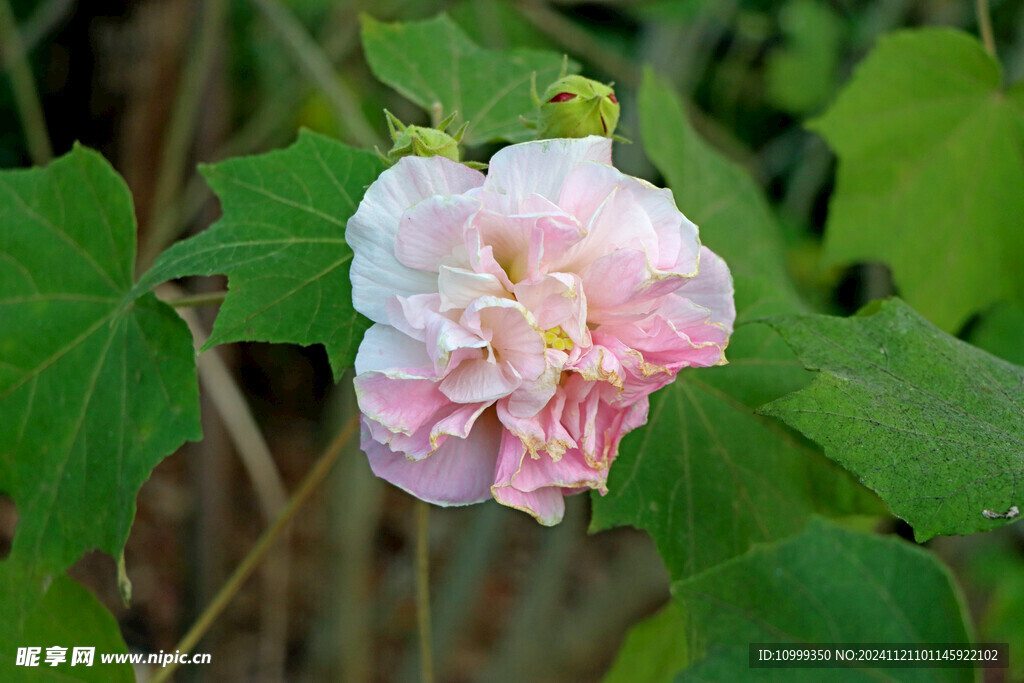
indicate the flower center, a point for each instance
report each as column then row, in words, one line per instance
column 557, row 339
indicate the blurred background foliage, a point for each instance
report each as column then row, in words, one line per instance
column 160, row 85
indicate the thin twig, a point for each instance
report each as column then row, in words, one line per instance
column 252, row 449
column 985, row 26
column 423, row 591
column 197, row 300
column 312, row 480
column 26, row 97
column 177, row 142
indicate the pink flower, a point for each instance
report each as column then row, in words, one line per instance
column 522, row 319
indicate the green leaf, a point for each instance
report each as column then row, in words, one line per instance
column 499, row 24
column 932, row 424
column 97, row 384
column 69, row 616
column 827, row 585
column 994, row 570
column 1000, row 331
column 281, row 242
column 802, row 72
column 706, row 477
column 655, row 649
column 931, row 174
column 436, row 65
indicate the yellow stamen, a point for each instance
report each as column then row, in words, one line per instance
column 557, row 339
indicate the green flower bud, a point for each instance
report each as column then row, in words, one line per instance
column 420, row 141
column 575, row 107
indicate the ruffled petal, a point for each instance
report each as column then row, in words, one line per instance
column 450, row 420
column 557, row 300
column 372, row 231
column 533, row 395
column 623, row 285
column 376, row 392
column 445, row 339
column 545, row 504
column 541, row 433
column 712, row 289
column 460, row 472
column 479, row 380
column 512, row 331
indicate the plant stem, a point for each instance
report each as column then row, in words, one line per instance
column 423, row 591
column 985, row 26
column 197, row 300
column 312, row 480
column 26, row 97
column 177, row 142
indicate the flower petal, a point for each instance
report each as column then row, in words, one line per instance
column 459, row 473
column 513, row 333
column 430, row 231
column 460, row 287
column 450, row 420
column 518, row 171
column 371, row 232
column 557, row 300
column 480, row 379
column 712, row 289
column 383, row 347
column 376, row 392
column 545, row 504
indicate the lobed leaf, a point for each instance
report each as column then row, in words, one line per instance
column 826, row 585
column 654, row 650
column 68, row 616
column 97, row 381
column 931, row 173
column 281, row 242
column 437, row 66
column 932, row 424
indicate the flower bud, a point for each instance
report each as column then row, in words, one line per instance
column 575, row 107
column 420, row 141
